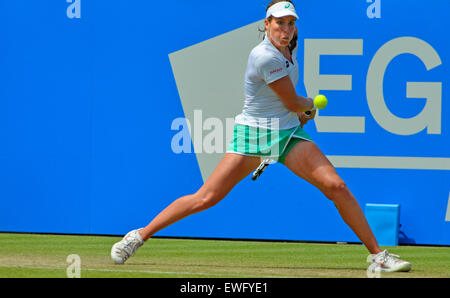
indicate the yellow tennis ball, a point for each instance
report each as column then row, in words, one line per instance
column 320, row 102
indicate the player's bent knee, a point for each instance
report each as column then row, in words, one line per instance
column 334, row 188
column 206, row 201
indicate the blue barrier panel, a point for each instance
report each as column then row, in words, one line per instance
column 111, row 110
column 384, row 220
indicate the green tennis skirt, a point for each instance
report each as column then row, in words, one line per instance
column 266, row 143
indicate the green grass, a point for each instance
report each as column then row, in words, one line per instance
column 43, row 256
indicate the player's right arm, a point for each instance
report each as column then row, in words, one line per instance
column 286, row 92
column 274, row 72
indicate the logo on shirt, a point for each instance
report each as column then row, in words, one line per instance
column 275, row 71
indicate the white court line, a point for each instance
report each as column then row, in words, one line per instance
column 149, row 272
column 387, row 162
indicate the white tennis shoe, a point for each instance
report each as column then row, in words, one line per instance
column 127, row 247
column 386, row 262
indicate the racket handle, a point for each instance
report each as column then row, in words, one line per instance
column 308, row 113
column 262, row 167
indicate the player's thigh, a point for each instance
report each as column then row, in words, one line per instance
column 307, row 161
column 229, row 172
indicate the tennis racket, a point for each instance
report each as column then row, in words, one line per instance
column 262, row 167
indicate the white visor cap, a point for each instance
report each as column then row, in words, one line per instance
column 282, row 9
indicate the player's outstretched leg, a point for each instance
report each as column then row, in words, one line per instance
column 307, row 161
column 232, row 169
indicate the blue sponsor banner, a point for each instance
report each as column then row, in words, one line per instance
column 96, row 98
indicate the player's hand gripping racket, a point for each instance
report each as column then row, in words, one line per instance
column 320, row 102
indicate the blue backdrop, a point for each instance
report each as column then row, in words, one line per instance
column 87, row 102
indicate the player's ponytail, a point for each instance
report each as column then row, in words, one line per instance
column 293, row 43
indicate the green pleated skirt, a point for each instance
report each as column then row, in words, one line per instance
column 266, row 143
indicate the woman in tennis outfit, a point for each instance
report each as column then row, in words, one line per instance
column 270, row 126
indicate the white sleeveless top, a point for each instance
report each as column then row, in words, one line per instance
column 266, row 64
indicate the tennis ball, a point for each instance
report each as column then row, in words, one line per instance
column 320, row 102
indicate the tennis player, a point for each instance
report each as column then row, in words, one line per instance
column 272, row 111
